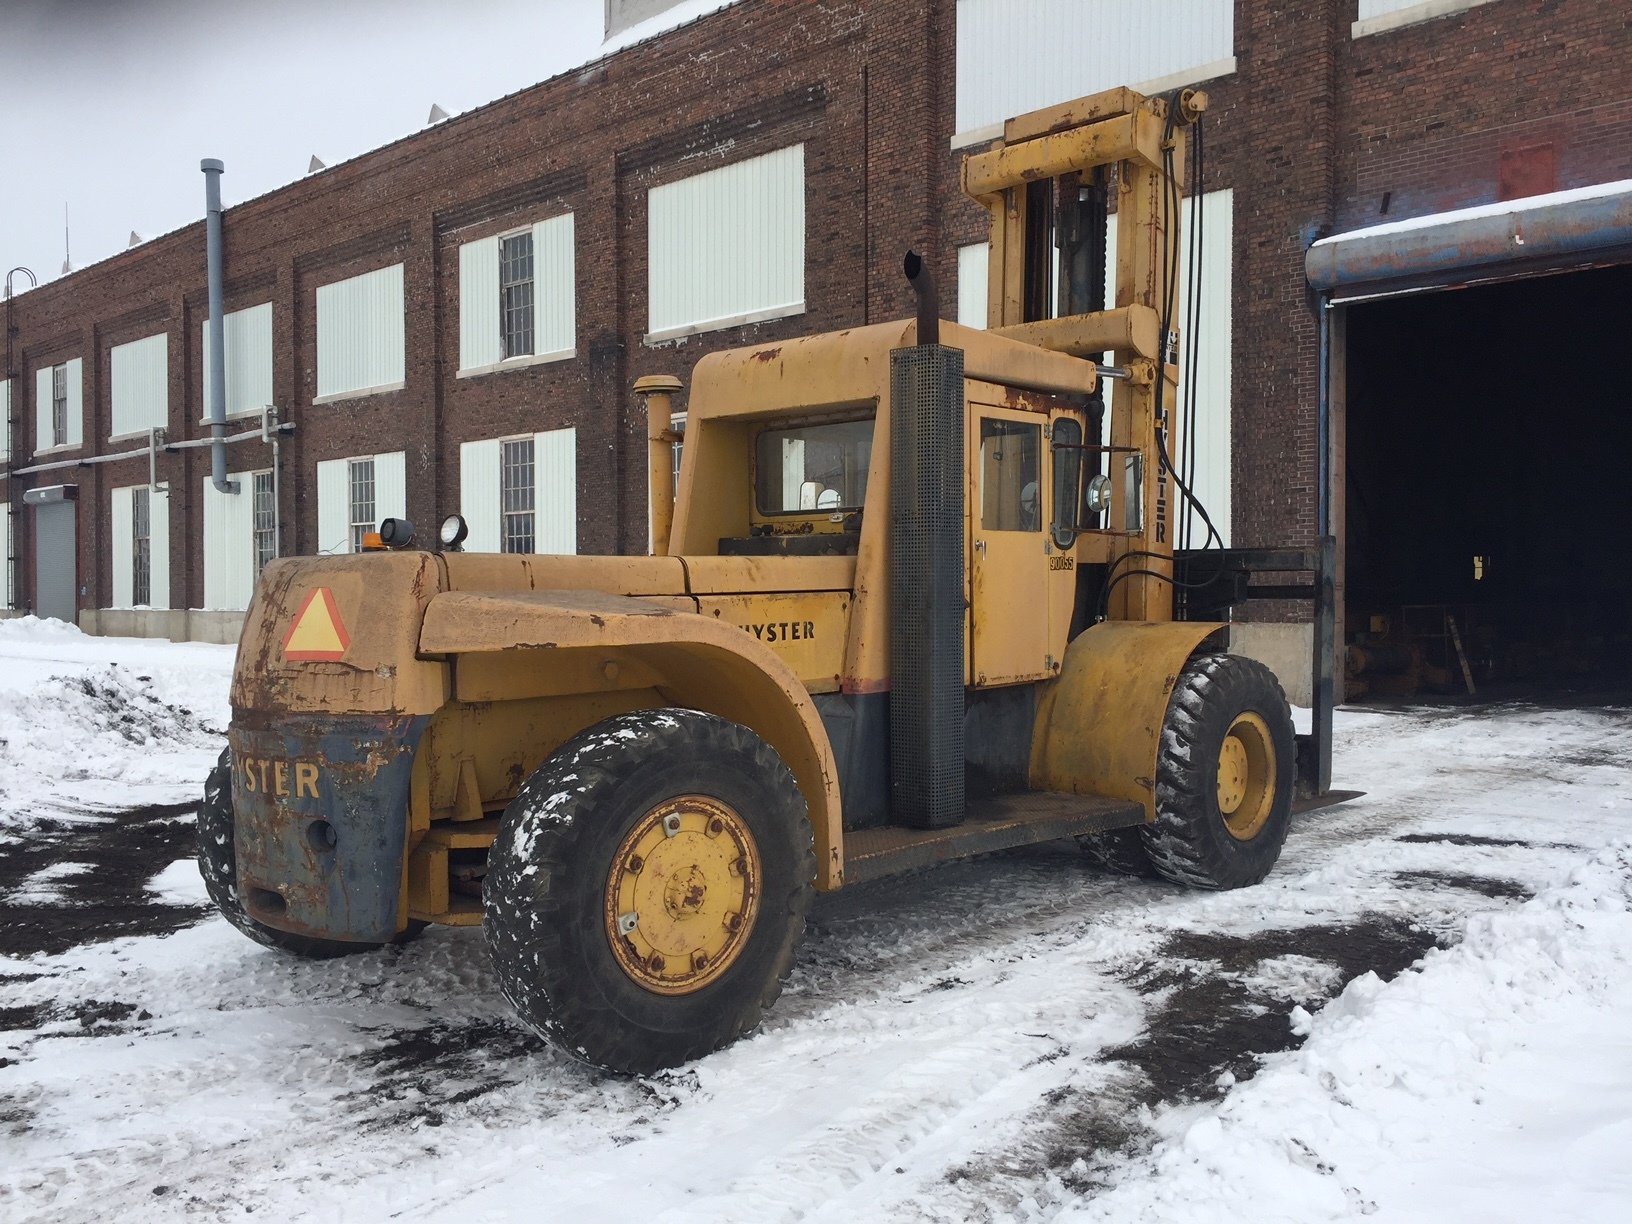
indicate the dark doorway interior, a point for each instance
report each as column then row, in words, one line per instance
column 1489, row 438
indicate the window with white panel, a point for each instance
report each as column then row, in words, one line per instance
column 973, row 262
column 727, row 247
column 360, row 335
column 139, row 538
column 248, row 346
column 354, row 494
column 1377, row 16
column 240, row 536
column 518, row 298
column 520, row 494
column 5, row 421
column 59, row 406
column 1016, row 56
column 139, row 374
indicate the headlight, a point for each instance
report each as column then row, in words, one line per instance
column 1099, row 494
column 453, row 531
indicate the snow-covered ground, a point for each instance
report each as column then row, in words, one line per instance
column 1419, row 1016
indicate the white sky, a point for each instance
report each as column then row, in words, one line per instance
column 109, row 104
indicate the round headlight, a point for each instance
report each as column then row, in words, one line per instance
column 396, row 532
column 453, row 531
column 1099, row 494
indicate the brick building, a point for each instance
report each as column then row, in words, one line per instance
column 454, row 321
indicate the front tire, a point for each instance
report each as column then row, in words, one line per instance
column 218, row 864
column 648, row 887
column 1223, row 775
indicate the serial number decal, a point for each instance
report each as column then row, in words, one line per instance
column 783, row 631
column 262, row 776
column 1062, row 563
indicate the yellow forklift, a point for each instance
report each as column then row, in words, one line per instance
column 906, row 608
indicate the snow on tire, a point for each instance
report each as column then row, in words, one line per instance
column 1222, row 808
column 692, row 800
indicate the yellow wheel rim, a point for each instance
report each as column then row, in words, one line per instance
column 1246, row 776
column 682, row 894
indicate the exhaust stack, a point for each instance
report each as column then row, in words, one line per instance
column 217, row 398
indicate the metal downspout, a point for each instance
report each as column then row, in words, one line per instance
column 217, row 405
column 1325, row 648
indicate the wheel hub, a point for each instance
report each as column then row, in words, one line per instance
column 1246, row 776
column 682, row 894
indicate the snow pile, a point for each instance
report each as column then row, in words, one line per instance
column 104, row 722
column 1445, row 1094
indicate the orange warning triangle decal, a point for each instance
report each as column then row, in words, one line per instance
column 317, row 634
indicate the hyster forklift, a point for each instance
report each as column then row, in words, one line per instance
column 906, row 608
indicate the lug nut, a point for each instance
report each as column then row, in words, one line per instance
column 733, row 922
column 699, row 961
column 655, row 964
column 716, row 826
column 635, row 863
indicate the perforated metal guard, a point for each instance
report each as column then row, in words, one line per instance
column 926, row 586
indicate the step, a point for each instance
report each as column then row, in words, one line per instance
column 999, row 822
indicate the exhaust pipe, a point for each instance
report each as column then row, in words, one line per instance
column 929, row 298
column 217, row 398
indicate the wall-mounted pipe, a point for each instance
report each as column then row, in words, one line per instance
column 929, row 298
column 217, row 404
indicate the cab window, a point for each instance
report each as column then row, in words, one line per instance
column 813, row 469
column 1010, row 492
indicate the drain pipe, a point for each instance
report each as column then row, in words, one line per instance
column 212, row 169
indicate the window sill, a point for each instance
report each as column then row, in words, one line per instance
column 360, row 393
column 742, row 320
column 59, row 450
column 140, row 436
column 1411, row 15
column 518, row 363
column 1159, row 85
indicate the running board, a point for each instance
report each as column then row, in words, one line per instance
column 1313, row 803
column 1000, row 822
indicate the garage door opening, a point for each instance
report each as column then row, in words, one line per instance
column 1487, row 499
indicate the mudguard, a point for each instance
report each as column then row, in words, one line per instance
column 1099, row 723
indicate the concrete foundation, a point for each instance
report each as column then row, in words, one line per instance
column 175, row 624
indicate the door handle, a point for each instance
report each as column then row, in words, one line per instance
column 980, row 547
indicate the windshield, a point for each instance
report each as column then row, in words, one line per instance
column 813, row 468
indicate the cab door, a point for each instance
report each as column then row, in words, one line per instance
column 1008, row 532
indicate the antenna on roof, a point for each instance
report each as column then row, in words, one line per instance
column 315, row 165
column 437, row 115
column 67, row 258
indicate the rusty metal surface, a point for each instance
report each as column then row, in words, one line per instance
column 379, row 598
column 1099, row 725
column 997, row 823
column 1459, row 246
column 320, row 807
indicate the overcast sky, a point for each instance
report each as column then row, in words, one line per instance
column 108, row 105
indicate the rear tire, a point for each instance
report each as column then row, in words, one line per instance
column 218, row 864
column 1224, row 774
column 598, row 910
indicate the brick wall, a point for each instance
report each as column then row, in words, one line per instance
column 1311, row 132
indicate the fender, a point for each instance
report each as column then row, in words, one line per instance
column 1099, row 723
column 691, row 660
